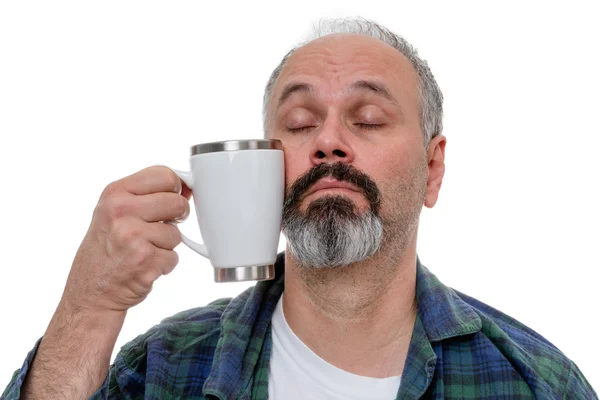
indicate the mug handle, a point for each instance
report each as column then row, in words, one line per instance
column 199, row 248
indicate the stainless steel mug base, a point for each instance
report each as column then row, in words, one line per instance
column 254, row 273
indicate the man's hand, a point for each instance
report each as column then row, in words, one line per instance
column 127, row 247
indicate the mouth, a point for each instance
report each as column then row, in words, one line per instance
column 332, row 184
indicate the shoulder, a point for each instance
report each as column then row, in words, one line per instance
column 539, row 361
column 521, row 334
column 179, row 348
column 207, row 315
column 196, row 327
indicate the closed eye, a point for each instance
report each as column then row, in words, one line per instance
column 368, row 126
column 301, row 129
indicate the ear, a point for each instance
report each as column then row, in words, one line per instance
column 435, row 161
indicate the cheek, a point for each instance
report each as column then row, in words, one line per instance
column 295, row 166
column 393, row 172
column 382, row 167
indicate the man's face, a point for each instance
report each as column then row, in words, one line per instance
column 351, row 100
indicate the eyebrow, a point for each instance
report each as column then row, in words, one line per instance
column 375, row 88
column 291, row 89
column 362, row 85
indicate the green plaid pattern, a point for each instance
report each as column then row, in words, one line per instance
column 460, row 349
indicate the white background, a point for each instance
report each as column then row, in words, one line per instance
column 93, row 91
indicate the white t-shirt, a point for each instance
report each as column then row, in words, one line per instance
column 297, row 373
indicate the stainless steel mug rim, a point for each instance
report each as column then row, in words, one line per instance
column 234, row 145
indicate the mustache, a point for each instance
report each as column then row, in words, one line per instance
column 342, row 172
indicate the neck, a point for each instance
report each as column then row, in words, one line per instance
column 359, row 317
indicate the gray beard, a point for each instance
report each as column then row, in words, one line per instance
column 331, row 233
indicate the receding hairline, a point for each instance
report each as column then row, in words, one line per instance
column 431, row 99
column 339, row 36
column 366, row 83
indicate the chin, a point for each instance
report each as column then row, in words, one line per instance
column 331, row 199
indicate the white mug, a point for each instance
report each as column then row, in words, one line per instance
column 238, row 189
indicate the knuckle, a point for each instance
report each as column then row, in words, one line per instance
column 173, row 235
column 114, row 202
column 146, row 280
column 111, row 189
column 144, row 253
column 116, row 207
column 183, row 207
column 171, row 180
column 108, row 199
column 127, row 233
column 172, row 262
column 169, row 263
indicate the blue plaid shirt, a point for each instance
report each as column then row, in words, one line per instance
column 460, row 349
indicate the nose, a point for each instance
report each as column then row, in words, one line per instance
column 330, row 147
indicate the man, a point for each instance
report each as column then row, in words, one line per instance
column 352, row 313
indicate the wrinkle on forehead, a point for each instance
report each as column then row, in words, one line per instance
column 338, row 60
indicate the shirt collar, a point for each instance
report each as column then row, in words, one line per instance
column 245, row 324
column 443, row 313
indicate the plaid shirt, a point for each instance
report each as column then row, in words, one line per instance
column 460, row 349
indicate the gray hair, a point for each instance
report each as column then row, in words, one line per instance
column 430, row 94
column 329, row 242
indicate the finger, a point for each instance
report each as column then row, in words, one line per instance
column 161, row 207
column 171, row 259
column 186, row 191
column 163, row 262
column 163, row 236
column 151, row 180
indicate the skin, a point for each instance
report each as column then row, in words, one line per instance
column 360, row 317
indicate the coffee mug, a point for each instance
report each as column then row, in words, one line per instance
column 238, row 188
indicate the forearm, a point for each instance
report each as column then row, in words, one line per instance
column 74, row 355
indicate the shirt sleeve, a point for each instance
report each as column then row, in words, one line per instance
column 122, row 383
column 13, row 390
column 577, row 386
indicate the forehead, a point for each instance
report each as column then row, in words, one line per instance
column 336, row 61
